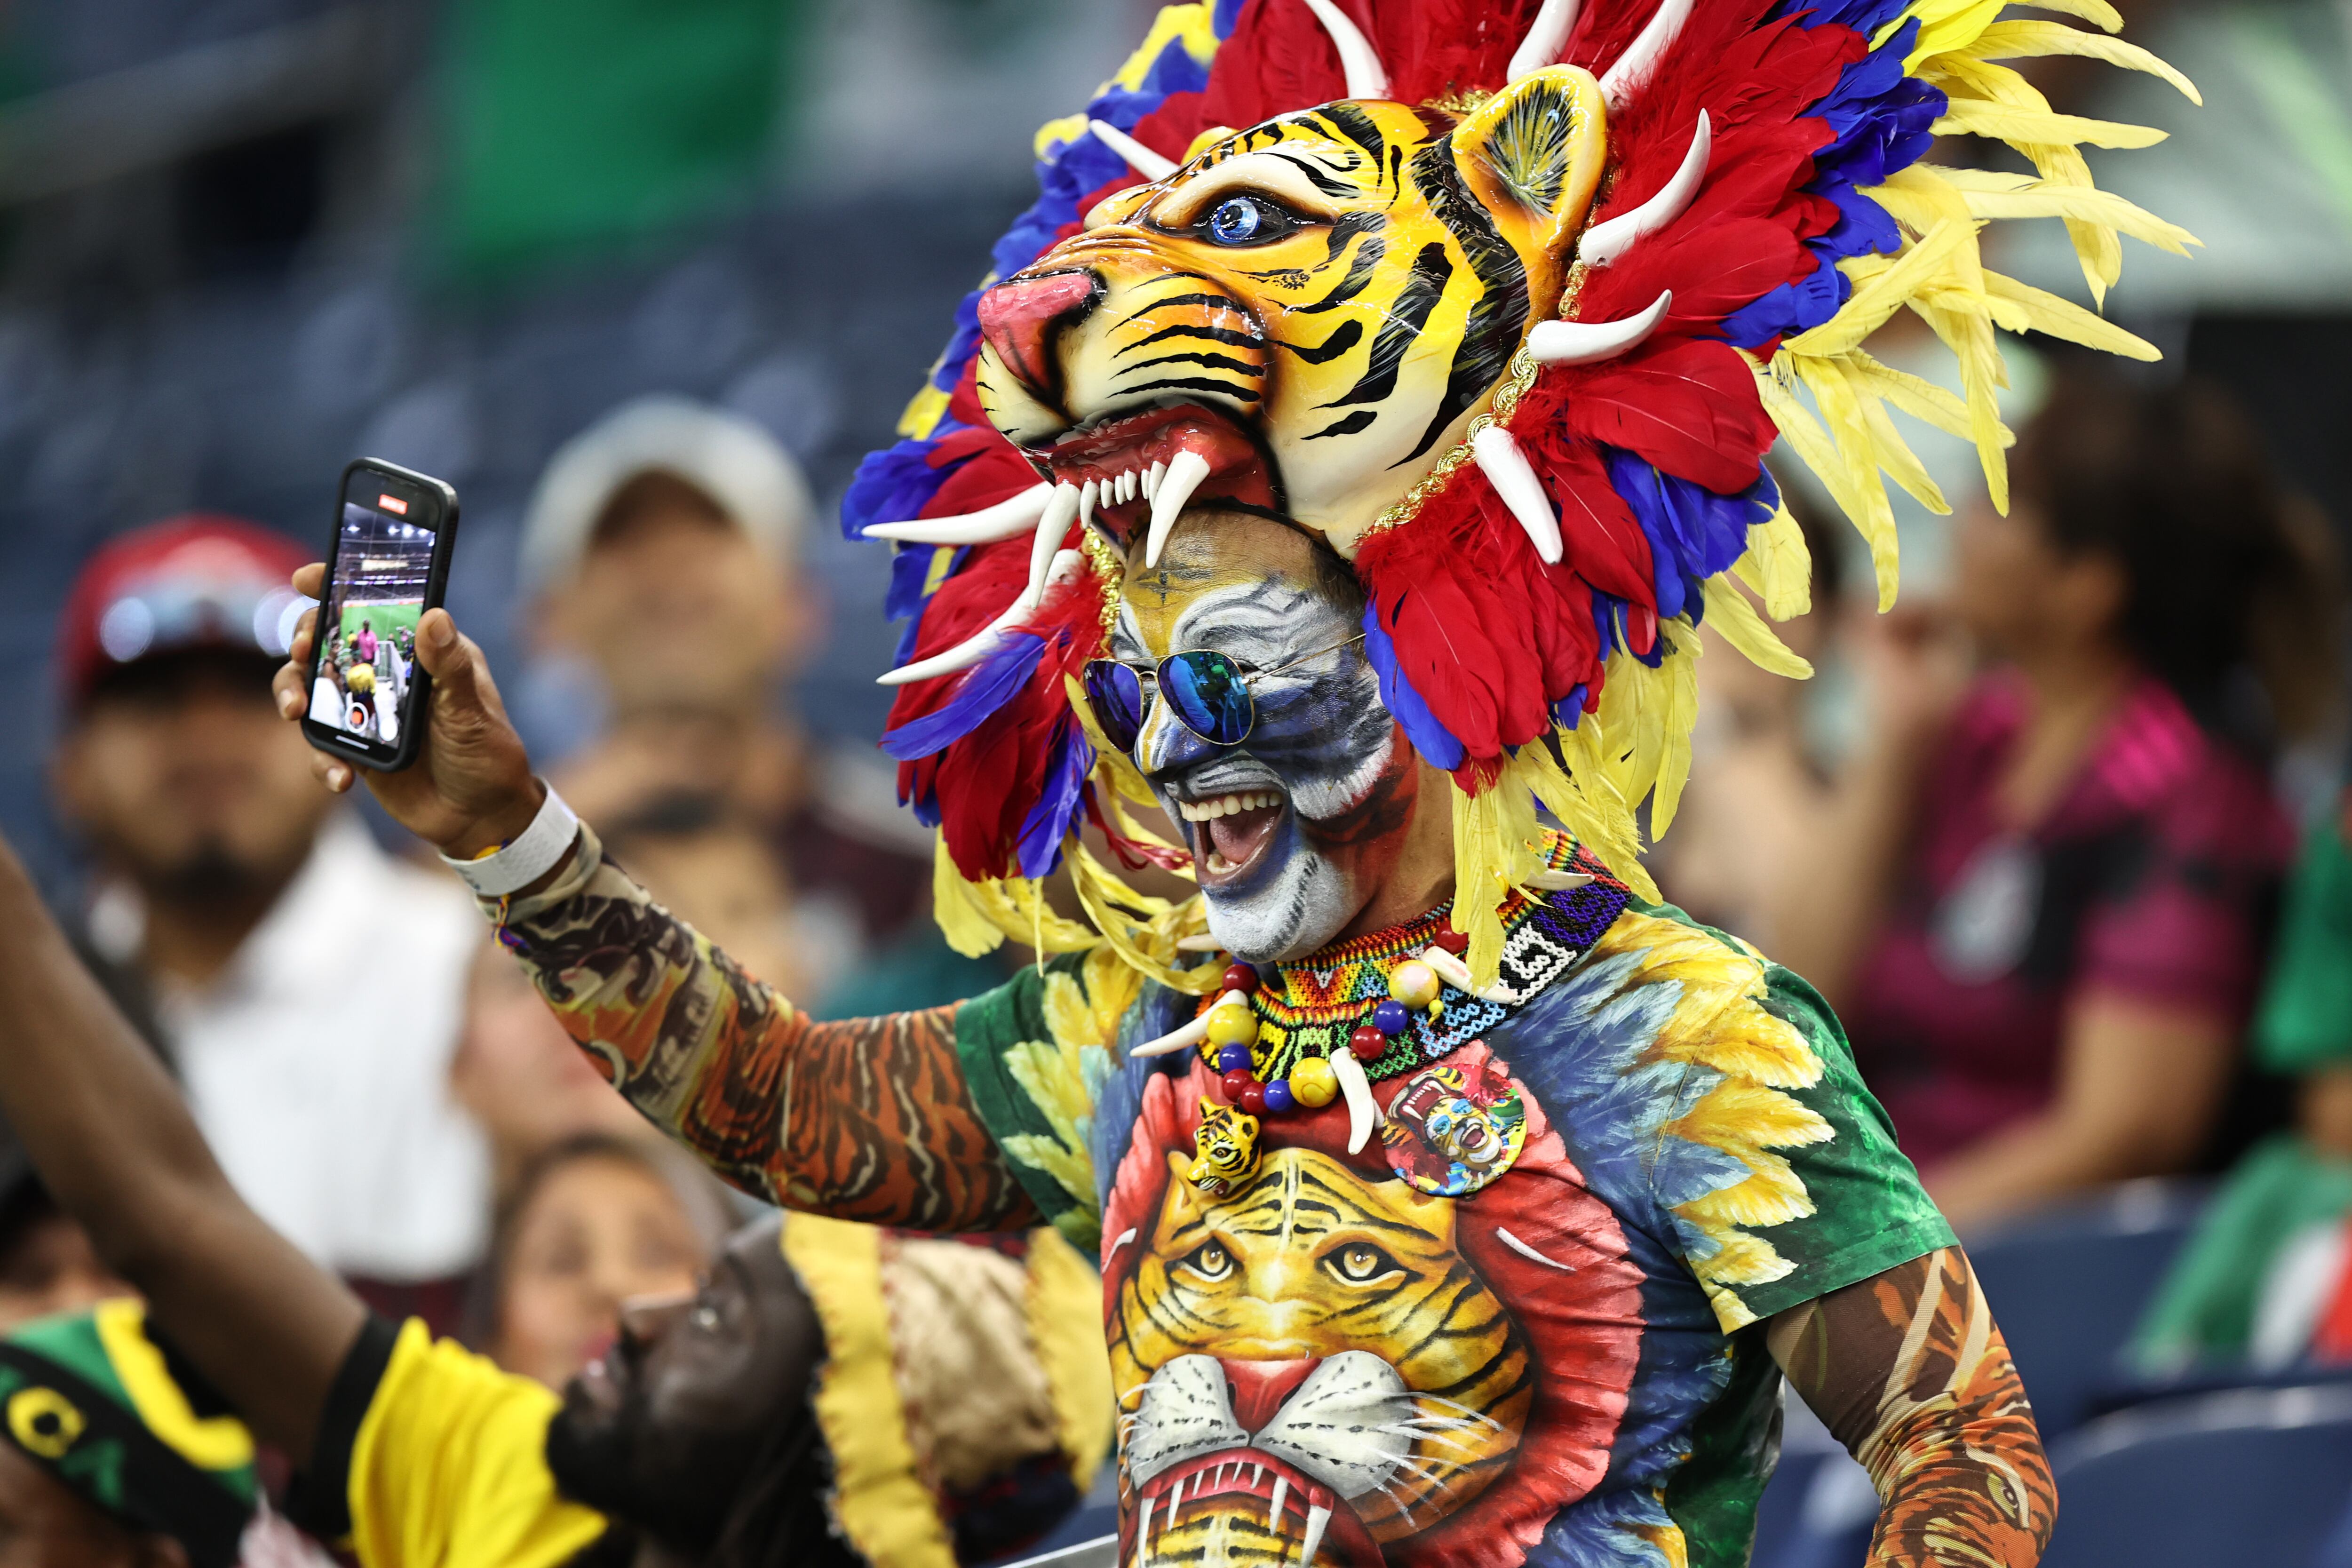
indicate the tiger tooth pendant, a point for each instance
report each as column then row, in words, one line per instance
column 1362, row 1114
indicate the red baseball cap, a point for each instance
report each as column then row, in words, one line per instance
column 199, row 580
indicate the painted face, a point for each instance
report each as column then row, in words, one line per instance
column 1294, row 828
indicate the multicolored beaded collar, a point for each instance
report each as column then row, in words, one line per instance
column 1381, row 1000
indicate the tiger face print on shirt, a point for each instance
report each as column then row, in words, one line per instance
column 1306, row 313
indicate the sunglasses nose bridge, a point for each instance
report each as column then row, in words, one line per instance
column 1164, row 741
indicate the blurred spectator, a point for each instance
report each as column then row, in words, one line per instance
column 520, row 1076
column 47, row 1263
column 2040, row 898
column 2267, row 1277
column 662, row 549
column 1759, row 785
column 594, row 1222
column 712, row 867
column 270, row 930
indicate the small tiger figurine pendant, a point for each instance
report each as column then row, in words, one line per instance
column 1226, row 1145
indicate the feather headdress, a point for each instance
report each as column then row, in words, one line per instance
column 1767, row 205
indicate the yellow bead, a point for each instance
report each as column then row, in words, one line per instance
column 1232, row 1025
column 1313, row 1083
column 1414, row 983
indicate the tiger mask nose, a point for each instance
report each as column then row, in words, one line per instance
column 1019, row 317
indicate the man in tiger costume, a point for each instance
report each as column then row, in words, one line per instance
column 1347, row 486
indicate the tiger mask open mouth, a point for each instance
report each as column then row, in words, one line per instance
column 1298, row 319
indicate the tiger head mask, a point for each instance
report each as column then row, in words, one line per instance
column 1298, row 319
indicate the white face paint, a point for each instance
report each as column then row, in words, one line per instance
column 1293, row 828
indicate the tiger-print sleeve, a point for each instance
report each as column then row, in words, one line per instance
column 868, row 1119
column 1910, row 1371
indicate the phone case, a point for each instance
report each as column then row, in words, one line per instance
column 336, row 742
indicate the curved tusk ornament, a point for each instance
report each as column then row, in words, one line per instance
column 1362, row 1114
column 1604, row 243
column 1045, row 544
column 1185, row 472
column 982, row 643
column 1508, row 469
column 1189, row 1034
column 1588, row 343
column 1359, row 61
column 1639, row 63
column 1152, row 166
column 1016, row 514
column 1545, row 39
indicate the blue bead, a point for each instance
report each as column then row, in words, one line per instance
column 1278, row 1098
column 1230, row 1058
column 1390, row 1017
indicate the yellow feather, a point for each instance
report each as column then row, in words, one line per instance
column 1975, row 117
column 2059, row 318
column 2029, row 39
column 2098, row 13
column 1729, row 613
column 1679, row 686
column 1885, row 290
column 1778, row 565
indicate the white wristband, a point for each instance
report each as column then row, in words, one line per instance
column 532, row 855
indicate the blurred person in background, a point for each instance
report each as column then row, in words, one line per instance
column 662, row 549
column 1759, row 784
column 2266, row 1278
column 593, row 1223
column 268, row 928
column 2040, row 897
column 730, row 1426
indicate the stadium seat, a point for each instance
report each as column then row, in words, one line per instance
column 2256, row 1475
column 2067, row 1285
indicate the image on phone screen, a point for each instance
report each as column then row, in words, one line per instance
column 367, row 627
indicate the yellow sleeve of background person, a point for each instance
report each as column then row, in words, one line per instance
column 449, row 1466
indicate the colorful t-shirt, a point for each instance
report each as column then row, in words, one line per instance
column 1367, row 1353
column 2153, row 878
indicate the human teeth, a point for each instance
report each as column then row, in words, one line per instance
column 1087, row 503
column 1226, row 806
column 1152, row 478
column 1184, row 476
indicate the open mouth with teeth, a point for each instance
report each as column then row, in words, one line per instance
column 1231, row 832
column 1291, row 1506
column 1138, row 471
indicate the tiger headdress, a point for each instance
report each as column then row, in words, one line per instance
column 1505, row 302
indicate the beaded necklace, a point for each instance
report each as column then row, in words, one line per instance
column 1375, row 998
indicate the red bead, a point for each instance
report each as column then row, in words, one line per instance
column 1456, row 942
column 1252, row 1099
column 1241, row 977
column 1368, row 1043
column 1236, row 1083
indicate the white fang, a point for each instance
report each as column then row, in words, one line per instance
column 1506, row 468
column 1002, row 521
column 1605, row 242
column 1191, row 1034
column 1274, row 1513
column 1362, row 1117
column 1559, row 881
column 1060, row 511
column 1541, row 47
column 1176, row 487
column 1359, row 62
column 1316, row 1520
column 1139, row 158
column 1588, row 342
column 1634, row 68
column 1530, row 1253
column 980, row 645
column 1143, row 1532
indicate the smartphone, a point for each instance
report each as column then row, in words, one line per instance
column 387, row 563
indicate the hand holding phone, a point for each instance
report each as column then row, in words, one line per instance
column 387, row 563
column 471, row 786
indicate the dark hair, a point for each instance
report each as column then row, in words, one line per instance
column 2227, row 575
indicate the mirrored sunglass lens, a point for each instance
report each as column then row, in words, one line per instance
column 1116, row 693
column 1208, row 693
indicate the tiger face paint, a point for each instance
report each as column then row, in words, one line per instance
column 1312, row 309
column 1292, row 829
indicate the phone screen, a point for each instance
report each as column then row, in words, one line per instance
column 378, row 587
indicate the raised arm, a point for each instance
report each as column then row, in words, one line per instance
column 110, row 1133
column 1910, row 1372
column 868, row 1119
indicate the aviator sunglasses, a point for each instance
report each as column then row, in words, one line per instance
column 1208, row 693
